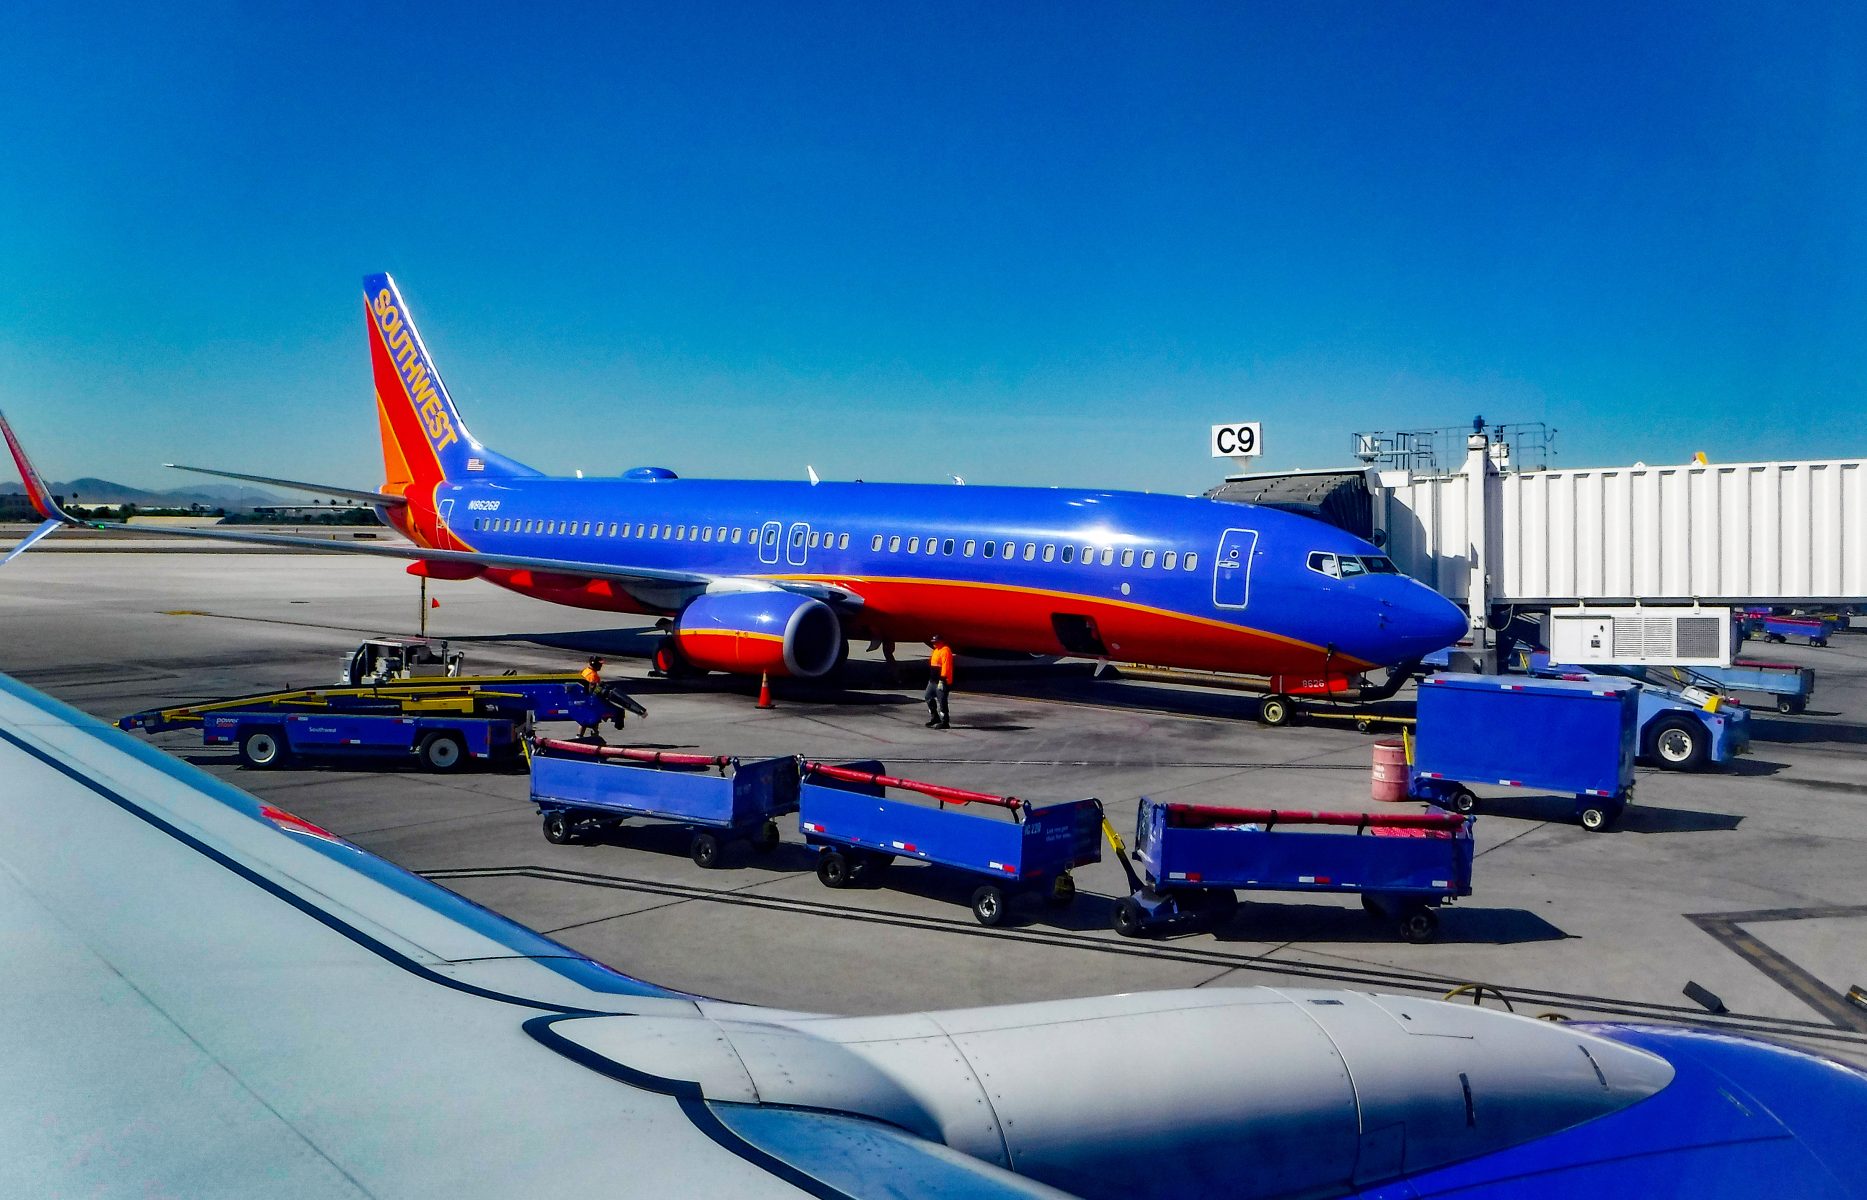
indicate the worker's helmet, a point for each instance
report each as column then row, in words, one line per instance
column 596, row 662
column 935, row 640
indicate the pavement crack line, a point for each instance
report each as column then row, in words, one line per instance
column 1365, row 977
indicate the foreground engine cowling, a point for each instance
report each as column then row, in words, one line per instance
column 752, row 633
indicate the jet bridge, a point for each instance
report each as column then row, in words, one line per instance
column 1712, row 534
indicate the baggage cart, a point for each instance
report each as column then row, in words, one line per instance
column 1016, row 848
column 584, row 789
column 1190, row 862
column 1572, row 737
column 1776, row 627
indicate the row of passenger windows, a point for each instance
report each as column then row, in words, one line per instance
column 1048, row 551
column 1167, row 560
column 671, row 533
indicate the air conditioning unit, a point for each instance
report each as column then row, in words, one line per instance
column 1656, row 637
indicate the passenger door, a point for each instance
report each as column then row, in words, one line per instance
column 768, row 542
column 1231, row 573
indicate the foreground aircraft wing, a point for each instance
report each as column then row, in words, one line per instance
column 207, row 996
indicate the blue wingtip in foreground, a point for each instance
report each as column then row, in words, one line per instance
column 209, row 995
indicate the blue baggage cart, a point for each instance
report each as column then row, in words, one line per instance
column 1780, row 627
column 845, row 811
column 1190, row 862
column 582, row 789
column 1576, row 738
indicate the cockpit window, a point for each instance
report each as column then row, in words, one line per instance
column 1347, row 566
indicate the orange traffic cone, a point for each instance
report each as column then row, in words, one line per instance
column 764, row 691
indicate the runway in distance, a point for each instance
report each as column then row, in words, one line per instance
column 771, row 576
column 209, row 996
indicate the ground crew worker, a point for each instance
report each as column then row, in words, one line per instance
column 939, row 682
column 593, row 679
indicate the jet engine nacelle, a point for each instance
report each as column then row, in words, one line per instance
column 751, row 633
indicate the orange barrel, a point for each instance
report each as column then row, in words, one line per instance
column 1390, row 771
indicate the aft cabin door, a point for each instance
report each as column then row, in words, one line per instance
column 1231, row 574
column 768, row 542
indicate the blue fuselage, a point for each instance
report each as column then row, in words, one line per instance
column 1162, row 579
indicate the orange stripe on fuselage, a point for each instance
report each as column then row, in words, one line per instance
column 1010, row 617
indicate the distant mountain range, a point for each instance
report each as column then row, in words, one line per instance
column 90, row 490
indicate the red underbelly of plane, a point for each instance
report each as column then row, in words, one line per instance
column 985, row 617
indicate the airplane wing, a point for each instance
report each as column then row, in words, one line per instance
column 207, row 996
column 653, row 587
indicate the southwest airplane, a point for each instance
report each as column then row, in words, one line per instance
column 208, row 996
column 775, row 577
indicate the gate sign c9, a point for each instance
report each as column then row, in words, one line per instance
column 1241, row 439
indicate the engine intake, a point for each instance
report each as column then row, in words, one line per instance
column 751, row 633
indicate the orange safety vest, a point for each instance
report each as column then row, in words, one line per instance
column 942, row 662
column 591, row 677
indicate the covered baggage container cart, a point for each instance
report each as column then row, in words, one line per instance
column 581, row 788
column 1016, row 848
column 1575, row 738
column 1191, row 861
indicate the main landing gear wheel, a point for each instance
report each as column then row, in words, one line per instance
column 1418, row 925
column 557, row 828
column 1678, row 743
column 1276, row 711
column 262, row 748
column 704, row 850
column 1128, row 917
column 442, row 752
column 833, row 870
column 988, row 905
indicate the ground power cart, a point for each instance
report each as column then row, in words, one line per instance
column 584, row 790
column 1542, row 735
column 1013, row 848
column 1190, row 862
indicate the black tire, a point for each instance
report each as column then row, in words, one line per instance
column 263, row 749
column 988, row 905
column 1128, row 918
column 1363, row 725
column 1818, row 641
column 1372, row 906
column 1276, row 711
column 1062, row 892
column 704, row 850
column 767, row 839
column 1418, row 925
column 833, row 869
column 1462, row 800
column 558, row 828
column 1594, row 819
column 1678, row 743
column 1785, row 704
column 442, row 752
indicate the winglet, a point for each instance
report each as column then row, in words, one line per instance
column 36, row 491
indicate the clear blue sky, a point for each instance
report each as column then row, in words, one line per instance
column 1023, row 242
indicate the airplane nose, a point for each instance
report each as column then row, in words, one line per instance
column 1430, row 621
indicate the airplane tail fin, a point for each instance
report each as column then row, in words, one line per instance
column 43, row 502
column 424, row 441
